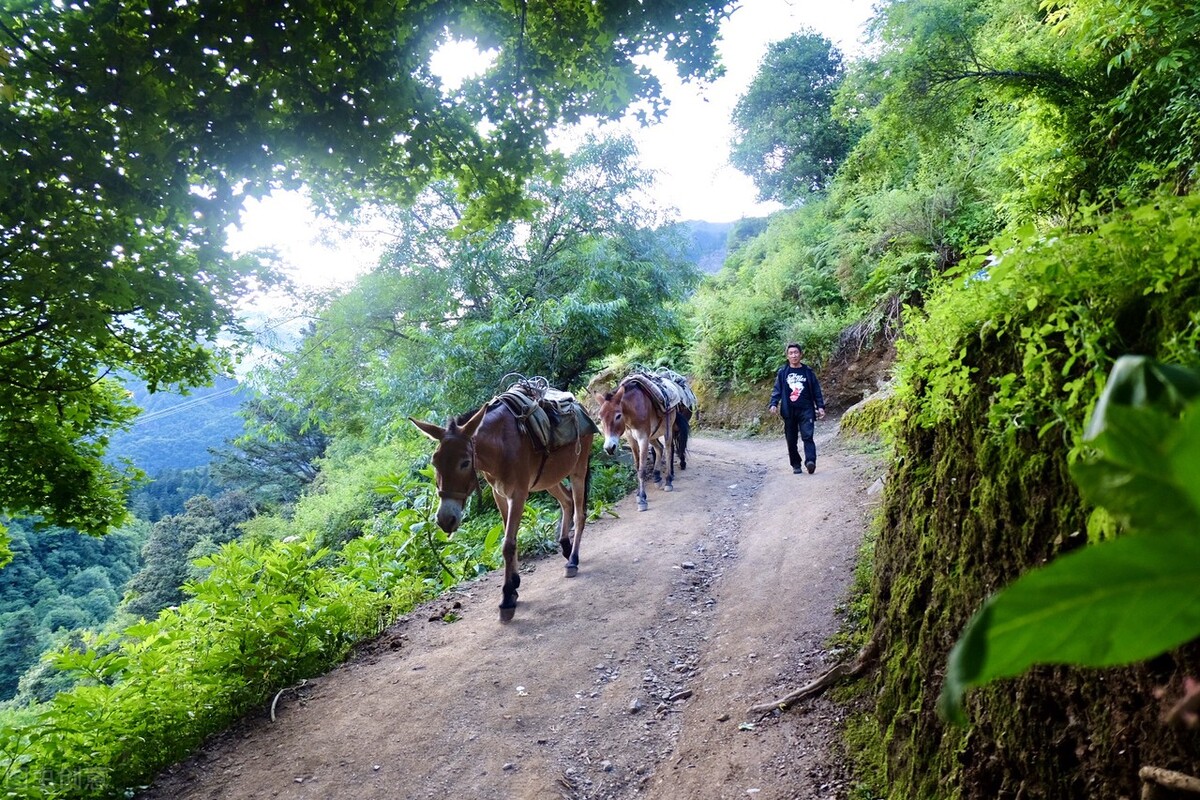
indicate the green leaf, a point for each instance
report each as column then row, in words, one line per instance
column 1142, row 382
column 1114, row 603
column 1142, row 500
column 1134, row 437
column 1184, row 457
column 493, row 539
column 1147, row 459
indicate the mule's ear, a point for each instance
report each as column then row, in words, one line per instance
column 470, row 426
column 619, row 394
column 599, row 398
column 435, row 432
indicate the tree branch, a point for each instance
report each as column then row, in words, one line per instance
column 865, row 658
column 1154, row 777
column 1012, row 75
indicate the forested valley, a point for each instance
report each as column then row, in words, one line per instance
column 998, row 196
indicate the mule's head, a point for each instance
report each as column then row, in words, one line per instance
column 612, row 419
column 453, row 466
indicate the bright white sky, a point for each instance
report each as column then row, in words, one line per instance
column 688, row 150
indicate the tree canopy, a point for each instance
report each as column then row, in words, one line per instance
column 787, row 138
column 132, row 132
column 443, row 319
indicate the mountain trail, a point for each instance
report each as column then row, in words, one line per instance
column 634, row 679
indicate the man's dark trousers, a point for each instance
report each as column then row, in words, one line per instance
column 800, row 426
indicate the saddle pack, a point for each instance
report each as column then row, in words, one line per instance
column 665, row 388
column 679, row 383
column 550, row 417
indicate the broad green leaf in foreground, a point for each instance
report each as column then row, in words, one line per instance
column 1145, row 470
column 1141, row 382
column 1185, row 458
column 1120, row 602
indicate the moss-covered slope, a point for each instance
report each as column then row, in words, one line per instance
column 996, row 381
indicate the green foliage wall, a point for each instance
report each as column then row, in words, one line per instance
column 776, row 287
column 997, row 379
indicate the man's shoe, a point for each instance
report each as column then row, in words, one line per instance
column 796, row 470
column 811, row 466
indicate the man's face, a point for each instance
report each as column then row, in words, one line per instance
column 793, row 356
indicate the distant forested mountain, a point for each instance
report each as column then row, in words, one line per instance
column 59, row 581
column 708, row 244
column 176, row 431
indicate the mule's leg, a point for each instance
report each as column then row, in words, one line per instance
column 669, row 456
column 515, row 507
column 502, row 505
column 562, row 493
column 683, row 424
column 656, row 452
column 639, row 463
column 579, row 494
column 567, row 498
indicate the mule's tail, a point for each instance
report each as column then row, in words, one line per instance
column 683, row 427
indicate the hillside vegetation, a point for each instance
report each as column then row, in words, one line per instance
column 176, row 431
column 1002, row 193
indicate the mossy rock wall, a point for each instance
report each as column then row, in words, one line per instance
column 970, row 505
column 963, row 517
column 869, row 416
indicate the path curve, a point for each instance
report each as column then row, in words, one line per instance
column 631, row 680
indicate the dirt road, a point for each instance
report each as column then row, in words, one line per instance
column 631, row 680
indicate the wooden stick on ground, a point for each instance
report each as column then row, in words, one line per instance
column 285, row 689
column 861, row 662
column 1155, row 777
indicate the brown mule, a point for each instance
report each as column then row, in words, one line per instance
column 491, row 442
column 629, row 412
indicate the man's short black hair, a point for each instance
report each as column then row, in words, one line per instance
column 795, row 345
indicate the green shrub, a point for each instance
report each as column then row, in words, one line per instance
column 265, row 615
column 1071, row 302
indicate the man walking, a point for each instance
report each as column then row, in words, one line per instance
column 797, row 398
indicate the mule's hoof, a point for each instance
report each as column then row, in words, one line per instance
column 506, row 614
column 668, row 488
column 643, row 506
column 572, row 570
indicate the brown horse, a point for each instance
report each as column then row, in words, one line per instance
column 490, row 441
column 630, row 412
